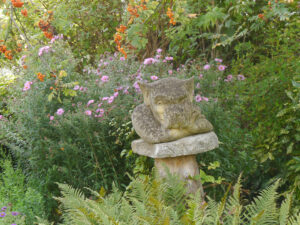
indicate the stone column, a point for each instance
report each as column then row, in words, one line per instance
column 179, row 157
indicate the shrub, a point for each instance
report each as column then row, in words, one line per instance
column 20, row 203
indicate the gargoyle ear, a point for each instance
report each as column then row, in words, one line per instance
column 189, row 85
column 145, row 88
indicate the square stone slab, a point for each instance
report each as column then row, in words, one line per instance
column 190, row 145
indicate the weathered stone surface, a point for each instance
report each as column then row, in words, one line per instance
column 190, row 145
column 185, row 167
column 168, row 112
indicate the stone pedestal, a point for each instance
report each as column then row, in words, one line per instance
column 179, row 157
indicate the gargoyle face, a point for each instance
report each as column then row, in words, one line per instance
column 170, row 101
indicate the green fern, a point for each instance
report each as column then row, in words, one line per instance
column 150, row 201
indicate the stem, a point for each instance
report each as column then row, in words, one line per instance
column 24, row 32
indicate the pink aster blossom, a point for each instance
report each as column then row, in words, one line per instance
column 158, row 56
column 149, row 61
column 221, row 67
column 198, row 98
column 27, row 85
column 198, row 85
column 229, row 77
column 90, row 102
column 116, row 94
column 104, row 78
column 164, row 61
column 100, row 110
column 122, row 58
column 206, row 67
column 1, row 117
column 76, row 87
column 200, row 76
column 60, row 111
column 218, row 60
column 136, row 86
column 44, row 49
column 51, row 118
column 100, row 104
column 105, row 98
column 125, row 91
column 88, row 112
column 159, row 50
column 170, row 72
column 241, row 77
column 154, row 77
column 169, row 58
column 205, row 99
column 111, row 99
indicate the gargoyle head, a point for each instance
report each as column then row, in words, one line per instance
column 170, row 100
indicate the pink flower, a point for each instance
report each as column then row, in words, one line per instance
column 206, row 67
column 105, row 63
column 1, row 117
column 149, row 61
column 169, row 58
column 164, row 61
column 159, row 50
column 60, row 111
column 76, row 87
column 221, row 67
column 90, row 102
column 88, row 112
column 205, row 99
column 27, row 85
column 122, row 58
column 111, row 99
column 44, row 49
column 100, row 104
column 200, row 76
column 105, row 98
column 104, row 78
column 218, row 60
column 136, row 86
column 229, row 77
column 154, row 77
column 116, row 94
column 51, row 118
column 241, row 77
column 170, row 72
column 125, row 91
column 198, row 98
column 100, row 110
column 198, row 85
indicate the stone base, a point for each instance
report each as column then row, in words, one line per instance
column 182, row 166
column 190, row 145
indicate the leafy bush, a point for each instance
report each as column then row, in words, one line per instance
column 20, row 203
column 152, row 202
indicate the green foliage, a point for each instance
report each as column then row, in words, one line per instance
column 18, row 196
column 150, row 202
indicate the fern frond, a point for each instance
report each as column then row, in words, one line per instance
column 294, row 220
column 285, row 210
column 263, row 209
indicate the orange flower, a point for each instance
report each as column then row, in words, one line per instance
column 19, row 49
column 41, row 77
column 123, row 52
column 261, row 16
column 17, row 3
column 133, row 11
column 2, row 48
column 24, row 12
column 122, row 29
column 25, row 67
column 171, row 16
column 8, row 55
column 48, row 35
column 43, row 25
column 51, row 88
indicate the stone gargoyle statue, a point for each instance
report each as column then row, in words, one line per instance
column 168, row 112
